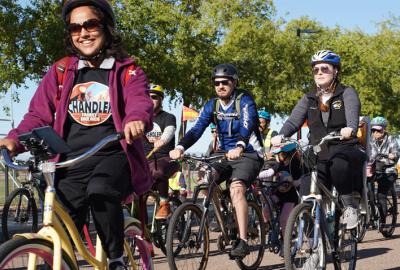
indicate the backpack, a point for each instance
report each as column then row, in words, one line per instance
column 239, row 94
column 62, row 66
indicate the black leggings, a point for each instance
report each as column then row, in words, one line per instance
column 100, row 182
column 343, row 170
column 385, row 183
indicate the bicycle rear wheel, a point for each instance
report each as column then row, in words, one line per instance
column 388, row 226
column 300, row 251
column 137, row 250
column 255, row 238
column 184, row 249
column 14, row 254
column 19, row 214
column 346, row 250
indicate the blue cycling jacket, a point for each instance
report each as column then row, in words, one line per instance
column 232, row 129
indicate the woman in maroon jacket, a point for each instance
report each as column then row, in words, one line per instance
column 95, row 101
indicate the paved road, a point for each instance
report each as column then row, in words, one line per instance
column 375, row 253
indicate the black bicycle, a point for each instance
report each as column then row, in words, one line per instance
column 188, row 238
column 378, row 216
column 20, row 211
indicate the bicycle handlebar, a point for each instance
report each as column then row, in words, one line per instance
column 98, row 146
column 204, row 159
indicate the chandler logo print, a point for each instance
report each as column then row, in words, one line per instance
column 155, row 133
column 89, row 103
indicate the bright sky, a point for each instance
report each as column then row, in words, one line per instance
column 362, row 14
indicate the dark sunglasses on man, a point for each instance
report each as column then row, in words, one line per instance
column 377, row 130
column 223, row 82
column 155, row 97
column 91, row 25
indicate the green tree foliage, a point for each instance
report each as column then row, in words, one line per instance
column 178, row 42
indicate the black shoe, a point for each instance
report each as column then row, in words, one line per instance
column 117, row 266
column 239, row 250
column 214, row 226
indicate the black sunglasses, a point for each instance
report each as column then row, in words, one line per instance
column 324, row 69
column 224, row 82
column 155, row 97
column 376, row 130
column 90, row 25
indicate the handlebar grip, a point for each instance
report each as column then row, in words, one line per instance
column 121, row 135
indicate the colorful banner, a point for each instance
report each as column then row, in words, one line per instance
column 189, row 114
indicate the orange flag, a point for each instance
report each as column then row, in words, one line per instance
column 189, row 114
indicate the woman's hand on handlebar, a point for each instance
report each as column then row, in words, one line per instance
column 133, row 130
column 10, row 144
column 346, row 133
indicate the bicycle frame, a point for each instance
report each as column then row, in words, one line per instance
column 54, row 230
column 55, row 217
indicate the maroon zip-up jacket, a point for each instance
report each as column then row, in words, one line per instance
column 128, row 103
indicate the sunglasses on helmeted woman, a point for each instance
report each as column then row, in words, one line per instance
column 90, row 25
column 324, row 69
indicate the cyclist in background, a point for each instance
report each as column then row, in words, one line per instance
column 332, row 107
column 162, row 139
column 94, row 102
column 237, row 135
column 383, row 144
column 289, row 169
column 265, row 120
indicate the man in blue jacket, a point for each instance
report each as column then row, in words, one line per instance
column 235, row 114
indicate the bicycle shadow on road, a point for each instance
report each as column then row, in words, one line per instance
column 371, row 252
column 394, row 237
column 280, row 266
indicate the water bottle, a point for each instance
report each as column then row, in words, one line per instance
column 330, row 218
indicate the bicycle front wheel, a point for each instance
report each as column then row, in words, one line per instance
column 185, row 249
column 346, row 250
column 361, row 227
column 15, row 253
column 304, row 243
column 388, row 215
column 19, row 214
column 255, row 238
column 137, row 250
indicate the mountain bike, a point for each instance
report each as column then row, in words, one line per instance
column 20, row 211
column 377, row 217
column 55, row 244
column 314, row 229
column 188, row 238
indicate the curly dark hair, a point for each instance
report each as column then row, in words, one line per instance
column 113, row 46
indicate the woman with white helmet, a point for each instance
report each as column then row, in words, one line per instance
column 332, row 107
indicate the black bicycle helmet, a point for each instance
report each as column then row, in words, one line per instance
column 104, row 5
column 225, row 71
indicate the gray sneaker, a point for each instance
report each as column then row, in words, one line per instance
column 350, row 217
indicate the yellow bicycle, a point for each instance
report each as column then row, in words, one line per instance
column 53, row 246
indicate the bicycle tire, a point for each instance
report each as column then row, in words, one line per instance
column 160, row 237
column 361, row 227
column 25, row 216
column 388, row 228
column 256, row 229
column 346, row 250
column 139, row 248
column 303, row 211
column 180, row 226
column 13, row 252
